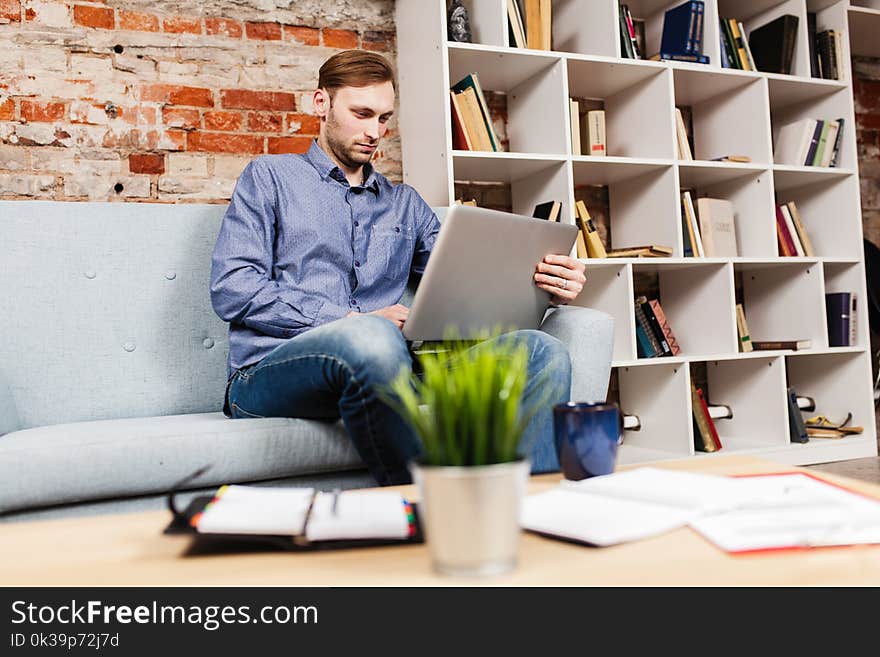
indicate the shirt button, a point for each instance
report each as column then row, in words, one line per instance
column 396, row 229
column 357, row 223
column 354, row 302
column 357, row 263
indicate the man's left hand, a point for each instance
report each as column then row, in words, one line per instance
column 561, row 276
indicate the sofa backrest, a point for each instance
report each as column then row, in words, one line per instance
column 107, row 312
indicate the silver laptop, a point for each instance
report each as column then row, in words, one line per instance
column 480, row 275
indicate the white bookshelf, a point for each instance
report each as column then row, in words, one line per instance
column 734, row 112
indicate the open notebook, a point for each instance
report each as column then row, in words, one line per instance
column 294, row 518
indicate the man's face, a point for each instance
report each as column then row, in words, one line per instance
column 355, row 120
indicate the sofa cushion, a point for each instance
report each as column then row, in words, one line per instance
column 93, row 460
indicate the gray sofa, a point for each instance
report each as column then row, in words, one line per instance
column 112, row 366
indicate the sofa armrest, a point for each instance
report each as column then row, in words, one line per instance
column 9, row 421
column 589, row 336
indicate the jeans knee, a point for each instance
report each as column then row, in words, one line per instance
column 548, row 357
column 375, row 345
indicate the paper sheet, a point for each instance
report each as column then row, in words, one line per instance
column 256, row 510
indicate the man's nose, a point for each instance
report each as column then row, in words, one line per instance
column 372, row 129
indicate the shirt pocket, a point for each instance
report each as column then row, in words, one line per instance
column 391, row 250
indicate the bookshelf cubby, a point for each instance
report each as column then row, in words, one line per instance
column 733, row 112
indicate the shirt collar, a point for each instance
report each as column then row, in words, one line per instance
column 327, row 168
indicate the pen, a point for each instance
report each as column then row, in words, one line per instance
column 335, row 500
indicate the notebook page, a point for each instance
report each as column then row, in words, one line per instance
column 599, row 519
column 358, row 514
column 680, row 490
column 256, row 510
column 781, row 511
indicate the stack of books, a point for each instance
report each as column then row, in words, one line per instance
column 632, row 34
column 654, row 336
column 471, row 123
column 529, row 24
column 809, row 142
column 682, row 38
column 735, row 52
column 791, row 236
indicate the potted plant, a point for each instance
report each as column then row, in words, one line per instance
column 467, row 408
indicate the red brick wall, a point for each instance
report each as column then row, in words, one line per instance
column 166, row 101
column 866, row 92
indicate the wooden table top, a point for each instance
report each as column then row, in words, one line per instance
column 130, row 549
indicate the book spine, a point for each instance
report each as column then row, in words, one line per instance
column 811, row 43
column 814, row 143
column 626, row 46
column 664, row 327
column 774, row 345
column 730, row 45
column 746, row 47
column 460, row 139
column 698, row 30
column 820, row 147
column 792, row 232
column 654, row 323
column 837, row 143
column 631, row 30
column 837, row 312
column 643, row 343
column 853, row 318
column 742, row 328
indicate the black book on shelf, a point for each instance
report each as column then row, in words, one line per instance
column 772, row 45
column 797, row 431
column 837, row 142
column 811, row 41
column 837, row 310
column 548, row 210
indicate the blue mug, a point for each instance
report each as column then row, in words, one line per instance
column 587, row 436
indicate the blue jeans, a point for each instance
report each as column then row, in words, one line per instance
column 335, row 370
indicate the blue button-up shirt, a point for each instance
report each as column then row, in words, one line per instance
column 300, row 247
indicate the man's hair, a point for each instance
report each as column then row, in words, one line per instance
column 354, row 68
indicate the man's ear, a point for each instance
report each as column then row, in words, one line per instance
column 321, row 102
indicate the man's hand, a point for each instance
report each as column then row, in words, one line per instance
column 561, row 276
column 396, row 313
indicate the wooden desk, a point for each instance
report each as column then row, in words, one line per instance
column 130, row 550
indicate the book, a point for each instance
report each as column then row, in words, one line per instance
column 643, row 343
column 548, row 210
column 515, row 24
column 837, row 314
column 626, row 44
column 596, row 133
column 746, row 47
column 680, row 29
column 581, row 245
column 772, row 44
column 814, row 143
column 693, row 224
column 664, row 326
column 639, row 29
column 792, row 232
column 678, row 57
column 684, row 147
column 687, row 235
column 656, row 328
column 729, row 57
column 474, row 125
column 637, row 54
column 713, row 430
column 802, row 234
column 732, row 158
column 831, row 140
column 815, row 71
column 793, row 142
column 717, row 227
column 595, row 248
column 472, row 81
column 774, row 345
column 574, row 115
column 783, row 238
column 797, row 432
column 837, row 143
column 703, row 439
column 646, row 251
column 742, row 330
column 739, row 43
column 460, row 138
column 654, row 347
column 820, row 146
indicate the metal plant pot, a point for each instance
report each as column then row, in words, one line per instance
column 471, row 515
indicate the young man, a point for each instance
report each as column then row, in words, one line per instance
column 313, row 256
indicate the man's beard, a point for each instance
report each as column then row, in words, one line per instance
column 346, row 153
